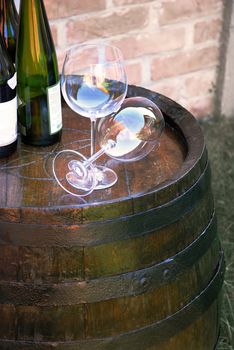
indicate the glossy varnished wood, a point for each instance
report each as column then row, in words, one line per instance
column 30, row 169
column 137, row 266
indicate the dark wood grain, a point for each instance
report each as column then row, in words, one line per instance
column 137, row 266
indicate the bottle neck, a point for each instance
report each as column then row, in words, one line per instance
column 29, row 5
column 9, row 25
column 12, row 13
column 7, row 69
column 34, row 32
column 32, row 14
column 36, row 56
column 9, row 15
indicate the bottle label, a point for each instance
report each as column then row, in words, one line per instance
column 8, row 125
column 55, row 108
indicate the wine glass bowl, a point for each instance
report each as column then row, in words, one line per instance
column 135, row 129
column 93, row 81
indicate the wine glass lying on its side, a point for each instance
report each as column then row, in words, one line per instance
column 127, row 136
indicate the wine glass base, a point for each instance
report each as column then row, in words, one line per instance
column 105, row 177
column 80, row 184
column 71, row 173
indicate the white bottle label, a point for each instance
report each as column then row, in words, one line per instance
column 55, row 108
column 8, row 124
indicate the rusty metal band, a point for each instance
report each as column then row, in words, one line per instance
column 143, row 338
column 112, row 230
column 112, row 287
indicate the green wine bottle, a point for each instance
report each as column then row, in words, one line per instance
column 8, row 103
column 9, row 20
column 38, row 86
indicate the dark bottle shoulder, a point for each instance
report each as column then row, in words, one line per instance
column 6, row 93
column 9, row 20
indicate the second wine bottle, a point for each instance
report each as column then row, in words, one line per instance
column 38, row 86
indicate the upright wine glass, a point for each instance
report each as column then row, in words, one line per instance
column 94, row 85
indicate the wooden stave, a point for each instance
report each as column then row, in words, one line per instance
column 148, row 337
column 207, row 180
column 103, row 288
column 141, row 280
column 82, row 267
column 82, row 255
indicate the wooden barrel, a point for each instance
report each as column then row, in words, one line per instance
column 138, row 266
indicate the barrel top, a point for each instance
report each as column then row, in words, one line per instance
column 28, row 188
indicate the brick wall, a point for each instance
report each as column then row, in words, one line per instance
column 170, row 46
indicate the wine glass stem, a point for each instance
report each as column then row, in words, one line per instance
column 95, row 156
column 110, row 144
column 93, row 136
